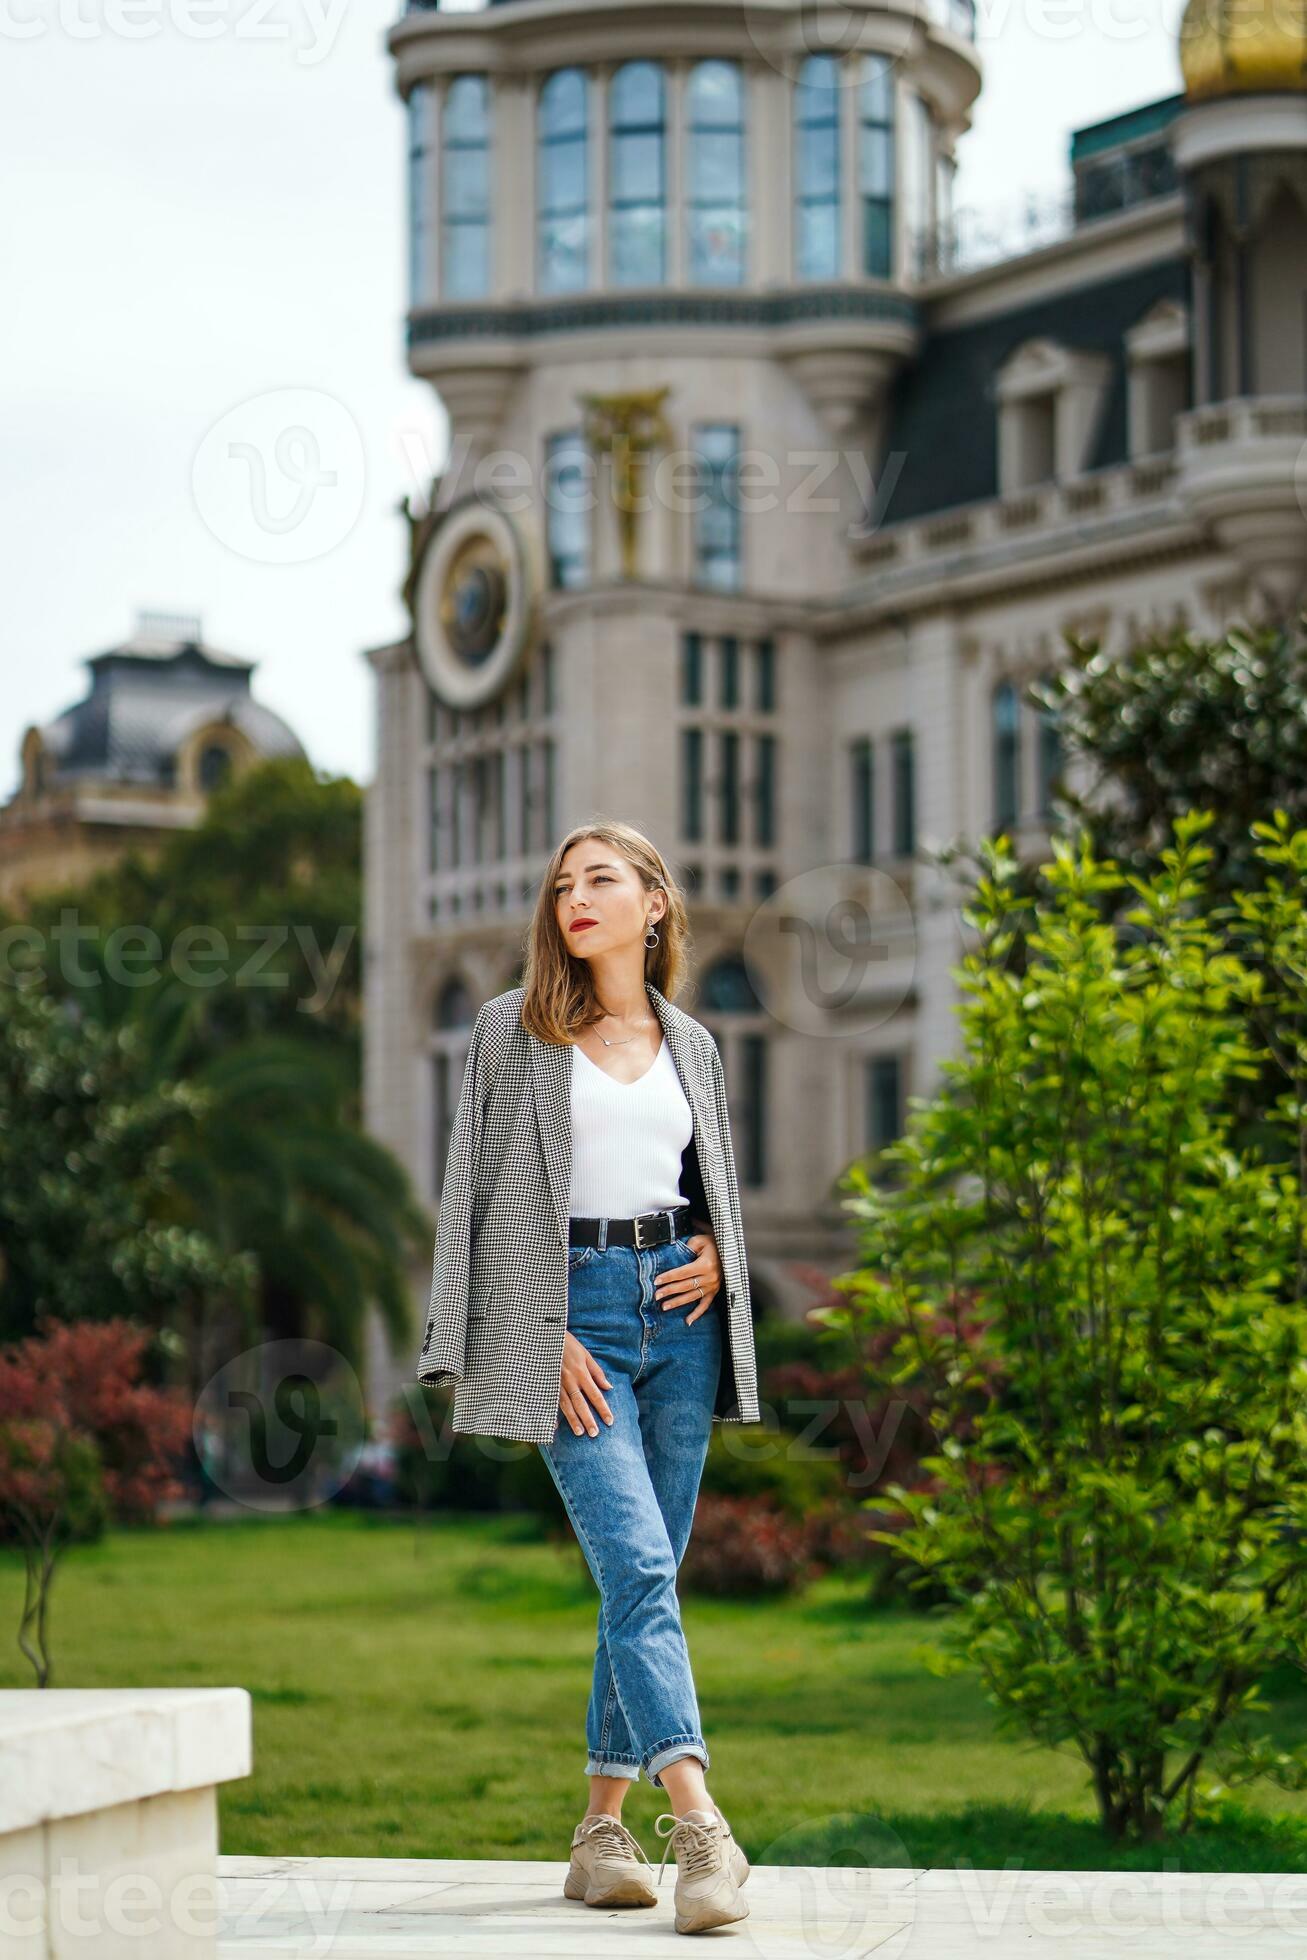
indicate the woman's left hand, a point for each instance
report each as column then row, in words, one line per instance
column 698, row 1281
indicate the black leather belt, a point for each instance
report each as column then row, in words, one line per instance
column 648, row 1228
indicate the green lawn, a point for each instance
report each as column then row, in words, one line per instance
column 421, row 1693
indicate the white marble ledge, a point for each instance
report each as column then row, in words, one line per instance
column 67, row 1751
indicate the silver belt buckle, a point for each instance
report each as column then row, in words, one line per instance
column 639, row 1223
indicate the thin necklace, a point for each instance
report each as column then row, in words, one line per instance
column 615, row 1043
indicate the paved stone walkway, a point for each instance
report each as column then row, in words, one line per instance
column 411, row 1908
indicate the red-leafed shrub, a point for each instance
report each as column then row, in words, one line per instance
column 835, row 1393
column 825, row 1389
column 82, row 1440
column 745, row 1545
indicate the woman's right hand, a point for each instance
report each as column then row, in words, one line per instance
column 581, row 1386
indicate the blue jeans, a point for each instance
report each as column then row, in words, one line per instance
column 630, row 1492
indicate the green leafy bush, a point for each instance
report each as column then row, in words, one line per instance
column 1121, row 1458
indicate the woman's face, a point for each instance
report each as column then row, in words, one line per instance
column 596, row 883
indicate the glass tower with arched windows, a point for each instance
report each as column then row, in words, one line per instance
column 657, row 266
column 652, row 170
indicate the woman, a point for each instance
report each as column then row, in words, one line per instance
column 590, row 1294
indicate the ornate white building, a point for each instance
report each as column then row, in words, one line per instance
column 773, row 479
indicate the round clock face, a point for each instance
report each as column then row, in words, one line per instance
column 472, row 604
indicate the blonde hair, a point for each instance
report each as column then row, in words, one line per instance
column 560, row 997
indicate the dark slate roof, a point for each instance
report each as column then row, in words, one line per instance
column 944, row 417
column 146, row 697
column 1129, row 126
column 152, row 643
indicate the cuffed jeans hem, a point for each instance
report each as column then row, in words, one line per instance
column 613, row 1766
column 667, row 1752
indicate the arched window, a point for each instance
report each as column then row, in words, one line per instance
column 876, row 164
column 862, row 798
column 465, row 189
column 1050, row 758
column 563, row 217
column 455, row 1012
column 731, row 1002
column 715, row 201
column 918, row 183
column 421, row 184
column 1007, row 756
column 215, row 766
column 903, row 791
column 883, row 1086
column 817, row 98
column 455, row 1007
column 717, row 559
column 569, row 499
column 729, row 989
column 637, row 194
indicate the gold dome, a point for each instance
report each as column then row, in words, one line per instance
column 1229, row 46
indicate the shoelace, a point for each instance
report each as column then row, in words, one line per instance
column 699, row 1842
column 613, row 1834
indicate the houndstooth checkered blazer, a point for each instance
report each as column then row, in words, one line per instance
column 498, row 1309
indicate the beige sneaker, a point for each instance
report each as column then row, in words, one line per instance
column 710, row 1869
column 608, row 1865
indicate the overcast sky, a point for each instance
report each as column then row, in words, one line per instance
column 204, row 224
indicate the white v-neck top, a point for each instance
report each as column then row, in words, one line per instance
column 627, row 1138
